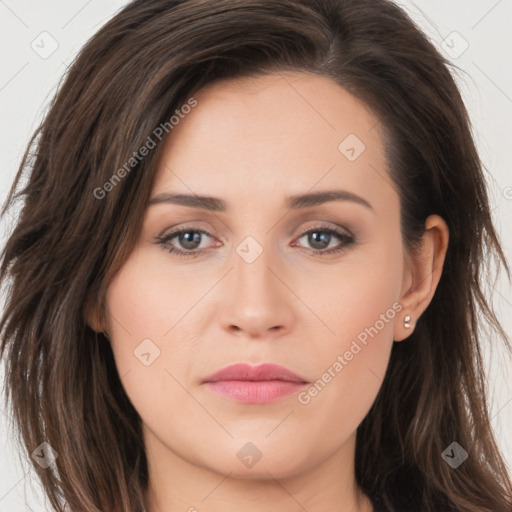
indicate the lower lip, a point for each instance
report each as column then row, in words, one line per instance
column 255, row 392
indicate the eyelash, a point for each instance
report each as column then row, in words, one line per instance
column 345, row 238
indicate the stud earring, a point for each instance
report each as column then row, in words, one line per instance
column 407, row 319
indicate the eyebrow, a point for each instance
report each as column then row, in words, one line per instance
column 296, row 202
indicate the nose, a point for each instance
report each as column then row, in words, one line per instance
column 257, row 301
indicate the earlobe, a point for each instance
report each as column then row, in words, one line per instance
column 404, row 328
column 422, row 275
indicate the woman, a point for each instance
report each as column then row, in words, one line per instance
column 307, row 338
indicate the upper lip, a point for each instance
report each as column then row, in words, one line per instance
column 261, row 372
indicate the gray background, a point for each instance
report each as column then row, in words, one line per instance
column 38, row 40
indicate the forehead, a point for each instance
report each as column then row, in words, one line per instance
column 277, row 134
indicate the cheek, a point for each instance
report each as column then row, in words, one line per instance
column 350, row 376
column 148, row 299
column 146, row 314
column 359, row 304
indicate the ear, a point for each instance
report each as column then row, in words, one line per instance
column 92, row 315
column 422, row 273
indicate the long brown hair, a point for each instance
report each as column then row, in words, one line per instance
column 74, row 233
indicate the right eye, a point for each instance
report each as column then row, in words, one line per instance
column 188, row 238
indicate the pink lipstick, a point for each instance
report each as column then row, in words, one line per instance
column 255, row 384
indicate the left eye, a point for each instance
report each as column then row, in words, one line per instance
column 321, row 238
column 190, row 241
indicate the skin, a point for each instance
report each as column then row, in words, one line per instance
column 252, row 142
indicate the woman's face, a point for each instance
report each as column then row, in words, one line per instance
column 252, row 290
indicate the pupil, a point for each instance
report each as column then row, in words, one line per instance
column 190, row 242
column 324, row 239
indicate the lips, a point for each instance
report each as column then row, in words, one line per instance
column 263, row 372
column 254, row 384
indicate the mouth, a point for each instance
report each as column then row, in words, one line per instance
column 255, row 384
